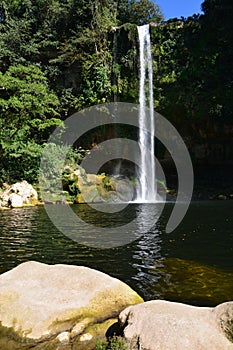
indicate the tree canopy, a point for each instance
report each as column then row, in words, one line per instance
column 59, row 56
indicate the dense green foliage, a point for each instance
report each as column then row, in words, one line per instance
column 59, row 165
column 194, row 79
column 59, row 56
column 27, row 113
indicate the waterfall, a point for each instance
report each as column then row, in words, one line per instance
column 147, row 177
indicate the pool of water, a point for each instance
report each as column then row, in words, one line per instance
column 192, row 264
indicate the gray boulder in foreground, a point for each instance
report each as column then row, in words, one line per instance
column 52, row 306
column 164, row 325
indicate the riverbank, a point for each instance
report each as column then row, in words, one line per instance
column 211, row 182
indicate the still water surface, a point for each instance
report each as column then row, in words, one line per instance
column 193, row 264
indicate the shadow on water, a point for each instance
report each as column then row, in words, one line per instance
column 193, row 264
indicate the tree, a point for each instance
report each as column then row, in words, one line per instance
column 28, row 112
column 144, row 11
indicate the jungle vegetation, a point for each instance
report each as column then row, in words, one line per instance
column 61, row 56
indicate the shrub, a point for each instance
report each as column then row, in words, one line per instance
column 114, row 343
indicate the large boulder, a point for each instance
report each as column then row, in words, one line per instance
column 19, row 194
column 89, row 188
column 48, row 306
column 163, row 325
column 15, row 200
column 102, row 188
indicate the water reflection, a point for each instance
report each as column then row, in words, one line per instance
column 146, row 251
column 156, row 264
column 104, row 226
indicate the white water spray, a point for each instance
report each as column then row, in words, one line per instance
column 147, row 177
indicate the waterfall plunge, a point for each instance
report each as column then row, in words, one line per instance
column 147, row 177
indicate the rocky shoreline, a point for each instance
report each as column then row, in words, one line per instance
column 78, row 187
column 72, row 307
column 92, row 189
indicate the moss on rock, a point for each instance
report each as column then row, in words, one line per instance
column 58, row 304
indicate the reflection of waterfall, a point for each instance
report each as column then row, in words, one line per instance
column 147, row 191
column 147, row 249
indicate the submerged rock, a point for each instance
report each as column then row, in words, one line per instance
column 163, row 325
column 192, row 282
column 45, row 306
